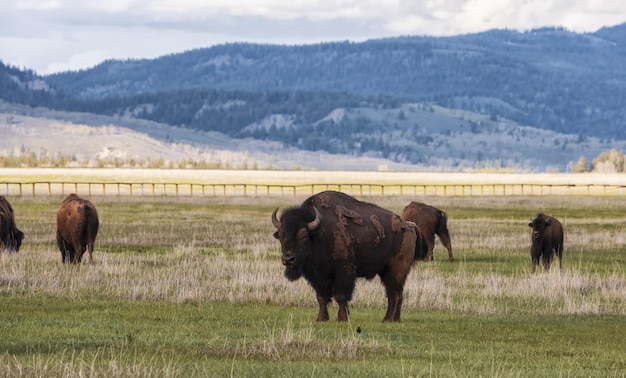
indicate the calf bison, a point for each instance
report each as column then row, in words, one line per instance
column 77, row 227
column 332, row 239
column 10, row 236
column 430, row 221
column 546, row 238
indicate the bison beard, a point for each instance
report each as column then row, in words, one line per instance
column 293, row 274
column 332, row 239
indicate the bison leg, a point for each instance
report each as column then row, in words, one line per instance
column 535, row 259
column 66, row 249
column 431, row 246
column 343, row 294
column 342, row 314
column 393, row 279
column 445, row 240
column 546, row 259
column 78, row 251
column 559, row 252
column 90, row 250
column 61, row 245
column 323, row 301
column 394, row 302
column 398, row 305
column 394, row 276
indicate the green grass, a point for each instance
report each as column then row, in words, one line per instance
column 46, row 334
column 194, row 287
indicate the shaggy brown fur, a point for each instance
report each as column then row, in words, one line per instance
column 77, row 227
column 546, row 239
column 332, row 239
column 430, row 221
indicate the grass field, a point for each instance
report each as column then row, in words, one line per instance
column 194, row 287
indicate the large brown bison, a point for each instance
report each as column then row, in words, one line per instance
column 77, row 227
column 430, row 221
column 10, row 236
column 546, row 239
column 332, row 239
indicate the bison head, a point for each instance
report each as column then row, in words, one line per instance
column 539, row 226
column 294, row 230
column 15, row 240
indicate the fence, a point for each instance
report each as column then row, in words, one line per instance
column 48, row 188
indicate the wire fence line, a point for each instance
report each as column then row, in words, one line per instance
column 154, row 189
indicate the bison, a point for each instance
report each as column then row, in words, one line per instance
column 77, row 227
column 10, row 236
column 430, row 221
column 546, row 238
column 333, row 238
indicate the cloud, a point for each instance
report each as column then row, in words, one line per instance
column 52, row 35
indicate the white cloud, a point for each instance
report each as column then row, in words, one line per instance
column 84, row 59
column 48, row 35
column 37, row 4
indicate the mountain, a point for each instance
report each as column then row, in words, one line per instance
column 528, row 100
column 23, row 86
column 84, row 139
column 548, row 78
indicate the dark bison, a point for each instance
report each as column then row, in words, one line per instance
column 430, row 221
column 10, row 236
column 77, row 227
column 546, row 238
column 332, row 239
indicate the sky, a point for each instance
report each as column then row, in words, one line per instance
column 59, row 35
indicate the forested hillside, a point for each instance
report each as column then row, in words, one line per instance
column 541, row 98
column 547, row 78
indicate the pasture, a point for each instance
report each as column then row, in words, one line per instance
column 195, row 287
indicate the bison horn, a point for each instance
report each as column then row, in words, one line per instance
column 275, row 220
column 312, row 225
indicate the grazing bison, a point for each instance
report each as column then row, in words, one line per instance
column 332, row 239
column 10, row 236
column 430, row 221
column 77, row 227
column 546, row 238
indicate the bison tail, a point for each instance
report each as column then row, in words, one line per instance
column 443, row 218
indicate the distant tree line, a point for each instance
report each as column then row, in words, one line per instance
column 26, row 158
column 611, row 161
